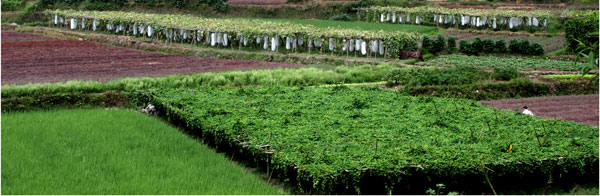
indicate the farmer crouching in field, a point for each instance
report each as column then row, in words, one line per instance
column 527, row 111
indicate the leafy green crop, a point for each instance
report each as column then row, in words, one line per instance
column 493, row 62
column 367, row 140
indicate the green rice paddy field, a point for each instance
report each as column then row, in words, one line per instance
column 114, row 151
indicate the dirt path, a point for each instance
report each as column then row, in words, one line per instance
column 582, row 109
column 50, row 60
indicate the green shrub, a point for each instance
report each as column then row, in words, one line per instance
column 342, row 17
column 524, row 47
column 460, row 74
column 427, row 44
column 537, row 49
column 500, row 46
column 11, row 5
column 477, row 44
column 505, row 73
column 467, row 48
column 451, row 43
column 487, row 45
column 439, row 44
column 513, row 46
column 578, row 26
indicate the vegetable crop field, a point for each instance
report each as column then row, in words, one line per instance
column 98, row 151
column 366, row 140
column 524, row 64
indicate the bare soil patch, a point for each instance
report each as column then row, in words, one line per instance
column 62, row 60
column 582, row 108
column 8, row 36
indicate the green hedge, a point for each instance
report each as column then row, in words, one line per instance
column 372, row 141
column 513, row 89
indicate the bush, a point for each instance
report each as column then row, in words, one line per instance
column 11, row 5
column 451, row 43
column 439, row 44
column 427, row 43
column 537, row 49
column 505, row 73
column 488, row 45
column 477, row 44
column 467, row 48
column 578, row 26
column 513, row 46
column 500, row 46
column 524, row 47
column 342, row 17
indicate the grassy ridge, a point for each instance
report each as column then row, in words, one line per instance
column 291, row 77
column 112, row 152
column 365, row 140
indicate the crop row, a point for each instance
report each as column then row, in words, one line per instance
column 494, row 62
column 241, row 32
column 460, row 17
column 365, row 140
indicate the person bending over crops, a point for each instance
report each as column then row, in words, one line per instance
column 527, row 111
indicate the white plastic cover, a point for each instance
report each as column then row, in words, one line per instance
column 381, row 49
column 331, row 43
column 274, row 43
column 73, row 24
column 363, row 48
column 150, row 31
column 213, row 39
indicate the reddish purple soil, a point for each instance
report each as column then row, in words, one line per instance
column 582, row 109
column 8, row 36
column 62, row 60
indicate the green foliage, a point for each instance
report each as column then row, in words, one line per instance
column 342, row 17
column 329, row 140
column 578, row 26
column 536, row 49
column 513, row 46
column 500, row 46
column 467, row 48
column 433, row 76
column 427, row 44
column 492, row 62
column 113, row 151
column 524, row 47
column 477, row 44
column 274, row 77
column 11, row 5
column 451, row 43
column 505, row 73
column 487, row 45
column 439, row 43
column 516, row 88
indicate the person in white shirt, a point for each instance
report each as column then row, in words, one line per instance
column 527, row 111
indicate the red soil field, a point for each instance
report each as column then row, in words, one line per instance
column 582, row 108
column 62, row 60
column 8, row 36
